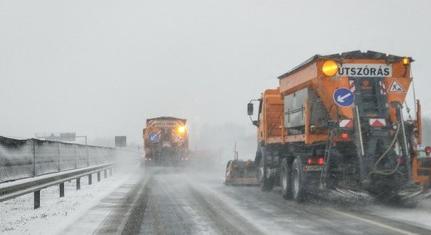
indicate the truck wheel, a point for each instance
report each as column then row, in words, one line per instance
column 266, row 184
column 298, row 180
column 286, row 180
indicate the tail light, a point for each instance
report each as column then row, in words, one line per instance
column 316, row 160
column 345, row 136
column 428, row 150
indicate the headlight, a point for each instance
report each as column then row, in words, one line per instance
column 330, row 68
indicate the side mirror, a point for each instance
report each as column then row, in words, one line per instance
column 250, row 109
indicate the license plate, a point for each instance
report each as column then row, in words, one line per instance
column 313, row 168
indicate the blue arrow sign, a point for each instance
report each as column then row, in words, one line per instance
column 154, row 137
column 343, row 97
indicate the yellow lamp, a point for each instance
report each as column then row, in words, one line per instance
column 181, row 129
column 330, row 68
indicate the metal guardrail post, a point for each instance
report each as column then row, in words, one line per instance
column 78, row 183
column 34, row 157
column 90, row 179
column 98, row 176
column 76, row 157
column 36, row 199
column 88, row 155
column 59, row 158
column 61, row 189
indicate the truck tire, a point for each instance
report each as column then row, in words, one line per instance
column 298, row 180
column 257, row 164
column 286, row 180
column 266, row 183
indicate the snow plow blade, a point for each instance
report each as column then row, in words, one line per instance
column 241, row 173
column 242, row 182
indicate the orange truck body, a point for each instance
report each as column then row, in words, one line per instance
column 308, row 96
column 309, row 76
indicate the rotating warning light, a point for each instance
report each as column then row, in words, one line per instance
column 330, row 68
column 406, row 60
column 181, row 129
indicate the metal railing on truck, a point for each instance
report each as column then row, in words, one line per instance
column 27, row 166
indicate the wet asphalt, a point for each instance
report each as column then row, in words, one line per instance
column 179, row 201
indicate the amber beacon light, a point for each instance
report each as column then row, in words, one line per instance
column 181, row 129
column 330, row 68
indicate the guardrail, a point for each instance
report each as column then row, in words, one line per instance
column 18, row 188
column 27, row 166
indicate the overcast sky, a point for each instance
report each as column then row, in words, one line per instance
column 102, row 67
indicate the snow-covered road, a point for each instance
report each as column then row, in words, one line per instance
column 175, row 201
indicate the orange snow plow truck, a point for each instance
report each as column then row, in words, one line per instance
column 166, row 142
column 337, row 121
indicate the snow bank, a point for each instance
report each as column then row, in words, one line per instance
column 17, row 216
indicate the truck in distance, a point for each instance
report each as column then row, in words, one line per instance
column 166, row 141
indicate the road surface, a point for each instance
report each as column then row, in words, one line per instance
column 172, row 201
